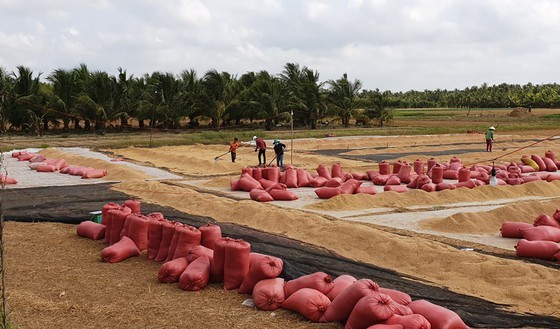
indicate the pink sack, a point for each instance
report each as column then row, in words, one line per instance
column 198, row 251
column 236, row 263
column 550, row 164
column 188, row 238
column 308, row 302
column 155, row 229
column 171, row 271
column 89, row 229
column 319, row 281
column 339, row 284
column 283, row 195
column 429, row 187
column 543, row 233
column 395, row 188
column 291, row 178
column 217, row 265
column 413, row 321
column 178, row 227
column 397, row 295
column 380, row 179
column 260, row 267
column 209, row 234
column 537, row 249
column 343, row 304
column 350, row 186
column 546, row 220
column 167, row 232
column 371, row 174
column 196, row 275
column 334, row 182
column 46, row 168
column 327, row 192
column 370, row 310
column 318, row 181
column 404, row 173
column 234, row 184
column 276, row 186
column 268, row 294
column 94, row 173
column 336, row 170
column 323, row 171
column 439, row 317
column 512, row 229
column 539, row 161
column 302, row 178
column 260, row 195
column 120, row 251
column 393, row 180
column 366, row 190
column 138, row 230
column 266, row 184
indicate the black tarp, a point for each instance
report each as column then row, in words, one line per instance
column 72, row 205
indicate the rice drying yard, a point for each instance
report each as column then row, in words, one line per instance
column 442, row 246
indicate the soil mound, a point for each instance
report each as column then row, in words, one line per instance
column 519, row 112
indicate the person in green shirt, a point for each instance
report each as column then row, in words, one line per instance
column 489, row 138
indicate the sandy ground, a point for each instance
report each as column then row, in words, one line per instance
column 525, row 286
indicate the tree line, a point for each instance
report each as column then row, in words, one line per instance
column 93, row 100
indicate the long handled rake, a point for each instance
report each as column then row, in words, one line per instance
column 271, row 161
column 219, row 157
column 500, row 145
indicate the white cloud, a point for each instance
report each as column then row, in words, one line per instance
column 395, row 44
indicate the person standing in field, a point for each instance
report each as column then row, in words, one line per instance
column 279, row 150
column 233, row 148
column 261, row 147
column 489, row 138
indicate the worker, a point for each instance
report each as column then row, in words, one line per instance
column 489, row 138
column 233, row 148
column 279, row 150
column 261, row 147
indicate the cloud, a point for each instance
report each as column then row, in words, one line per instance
column 397, row 44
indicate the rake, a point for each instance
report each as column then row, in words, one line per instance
column 500, row 145
column 219, row 157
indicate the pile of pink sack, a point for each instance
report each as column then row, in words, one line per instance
column 40, row 163
column 268, row 184
column 194, row 257
column 538, row 240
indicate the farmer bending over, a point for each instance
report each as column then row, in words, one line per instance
column 261, row 147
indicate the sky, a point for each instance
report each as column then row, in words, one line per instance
column 396, row 45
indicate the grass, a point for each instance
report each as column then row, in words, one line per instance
column 405, row 122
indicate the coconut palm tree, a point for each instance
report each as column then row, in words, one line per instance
column 65, row 88
column 305, row 96
column 380, row 104
column 219, row 93
column 6, row 98
column 122, row 97
column 343, row 98
column 265, row 98
column 96, row 102
column 24, row 112
column 190, row 89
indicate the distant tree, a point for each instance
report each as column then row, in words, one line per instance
column 343, row 98
column 304, row 94
column 218, row 94
column 266, row 99
column 380, row 106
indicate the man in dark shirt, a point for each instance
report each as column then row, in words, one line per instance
column 279, row 150
column 261, row 147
